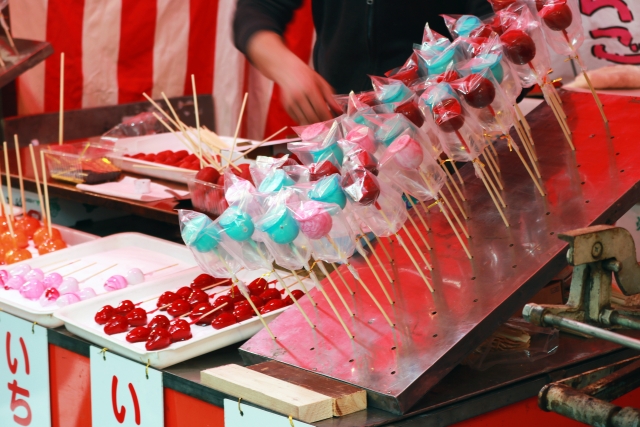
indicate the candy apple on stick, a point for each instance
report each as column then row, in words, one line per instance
column 238, row 225
column 482, row 93
column 565, row 35
column 381, row 209
column 411, row 167
column 202, row 237
column 444, row 111
column 523, row 45
column 328, row 190
column 287, row 245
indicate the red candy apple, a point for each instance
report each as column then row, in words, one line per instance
column 272, row 305
column 361, row 186
column 159, row 321
column 139, row 334
column 223, row 320
column 180, row 330
column 258, row 286
column 411, row 111
column 518, row 47
column 104, row 315
column 203, row 280
column 184, row 292
column 448, row 115
column 165, row 299
column 243, row 312
column 124, row 307
column 321, row 169
column 197, row 297
column 478, row 91
column 178, row 308
column 270, row 294
column 116, row 325
column 158, row 339
column 199, row 311
column 557, row 16
column 137, row 317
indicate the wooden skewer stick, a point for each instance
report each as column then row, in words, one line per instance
column 333, row 308
column 61, row 115
column 304, row 288
column 80, row 269
column 346, row 285
column 255, row 309
column 409, row 254
column 376, row 256
column 184, row 142
column 95, row 274
column 455, row 168
column 58, row 262
column 161, row 269
column 492, row 149
column 453, row 181
column 335, row 288
column 525, row 123
column 4, row 207
column 203, row 289
column 419, row 215
column 8, row 176
column 34, row 165
column 489, row 160
column 294, row 299
column 561, row 122
column 495, row 164
column 448, row 218
column 495, row 202
column 493, row 186
column 197, row 113
column 366, row 258
column 63, row 266
column 46, row 191
column 413, row 222
column 444, row 198
column 23, row 200
column 526, row 142
column 455, row 199
column 535, row 181
column 260, row 144
column 235, row 135
column 384, row 248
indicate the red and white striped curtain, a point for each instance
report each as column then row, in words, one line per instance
column 117, row 49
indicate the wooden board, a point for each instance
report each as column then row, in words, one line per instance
column 346, row 398
column 268, row 392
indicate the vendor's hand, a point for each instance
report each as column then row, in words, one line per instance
column 306, row 96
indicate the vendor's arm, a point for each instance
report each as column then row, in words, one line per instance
column 258, row 29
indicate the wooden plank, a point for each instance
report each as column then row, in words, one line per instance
column 268, row 392
column 346, row 398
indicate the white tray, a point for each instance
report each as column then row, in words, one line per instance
column 167, row 141
column 128, row 250
column 79, row 320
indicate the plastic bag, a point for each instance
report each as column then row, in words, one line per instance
column 390, row 90
column 461, row 25
column 319, row 142
column 138, row 125
column 562, row 26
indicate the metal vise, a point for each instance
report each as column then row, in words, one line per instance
column 596, row 253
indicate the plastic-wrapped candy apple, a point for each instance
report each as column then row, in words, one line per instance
column 390, row 91
column 319, row 142
column 322, row 169
column 461, row 25
column 328, row 190
column 275, row 181
column 562, row 31
column 363, row 136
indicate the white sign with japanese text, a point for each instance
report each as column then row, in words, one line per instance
column 24, row 374
column 124, row 393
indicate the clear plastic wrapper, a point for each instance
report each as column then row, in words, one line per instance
column 203, row 236
column 460, row 135
column 356, row 156
column 523, row 45
column 263, row 167
column 407, row 73
column 562, row 26
column 138, row 125
column 376, row 204
column 516, row 342
column 409, row 166
column 461, row 25
column 328, row 190
column 328, row 231
column 390, row 90
column 275, row 181
column 319, row 142
column 286, row 243
column 432, row 61
column 488, row 101
column 363, row 136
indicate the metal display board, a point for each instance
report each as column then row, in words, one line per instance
column 596, row 184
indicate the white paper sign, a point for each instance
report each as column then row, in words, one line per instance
column 253, row 417
column 121, row 393
column 24, row 374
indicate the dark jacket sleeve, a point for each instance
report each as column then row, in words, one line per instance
column 261, row 15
